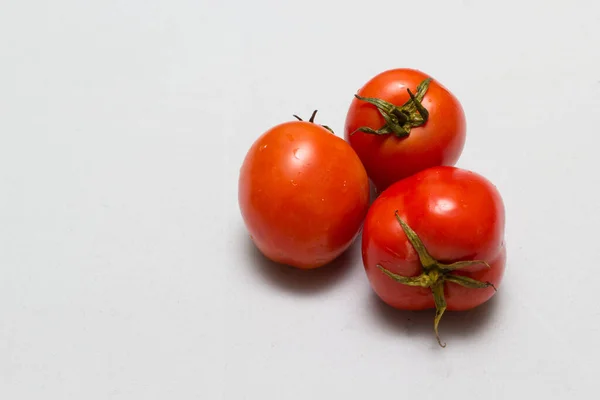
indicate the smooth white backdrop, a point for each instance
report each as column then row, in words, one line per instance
column 125, row 269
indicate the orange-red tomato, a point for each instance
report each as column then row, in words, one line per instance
column 303, row 194
column 394, row 136
column 458, row 217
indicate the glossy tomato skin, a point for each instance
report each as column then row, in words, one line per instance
column 458, row 215
column 387, row 158
column 303, row 194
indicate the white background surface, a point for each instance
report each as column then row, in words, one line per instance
column 125, row 268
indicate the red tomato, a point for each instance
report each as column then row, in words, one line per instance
column 303, row 194
column 396, row 136
column 436, row 240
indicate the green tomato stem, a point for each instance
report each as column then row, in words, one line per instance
column 399, row 120
column 434, row 275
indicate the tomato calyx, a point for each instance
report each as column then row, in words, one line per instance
column 312, row 121
column 435, row 274
column 399, row 120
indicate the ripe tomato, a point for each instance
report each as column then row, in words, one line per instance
column 303, row 194
column 440, row 232
column 395, row 135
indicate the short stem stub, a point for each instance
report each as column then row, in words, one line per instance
column 434, row 275
column 312, row 121
column 399, row 120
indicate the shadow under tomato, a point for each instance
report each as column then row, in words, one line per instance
column 373, row 192
column 454, row 324
column 302, row 281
